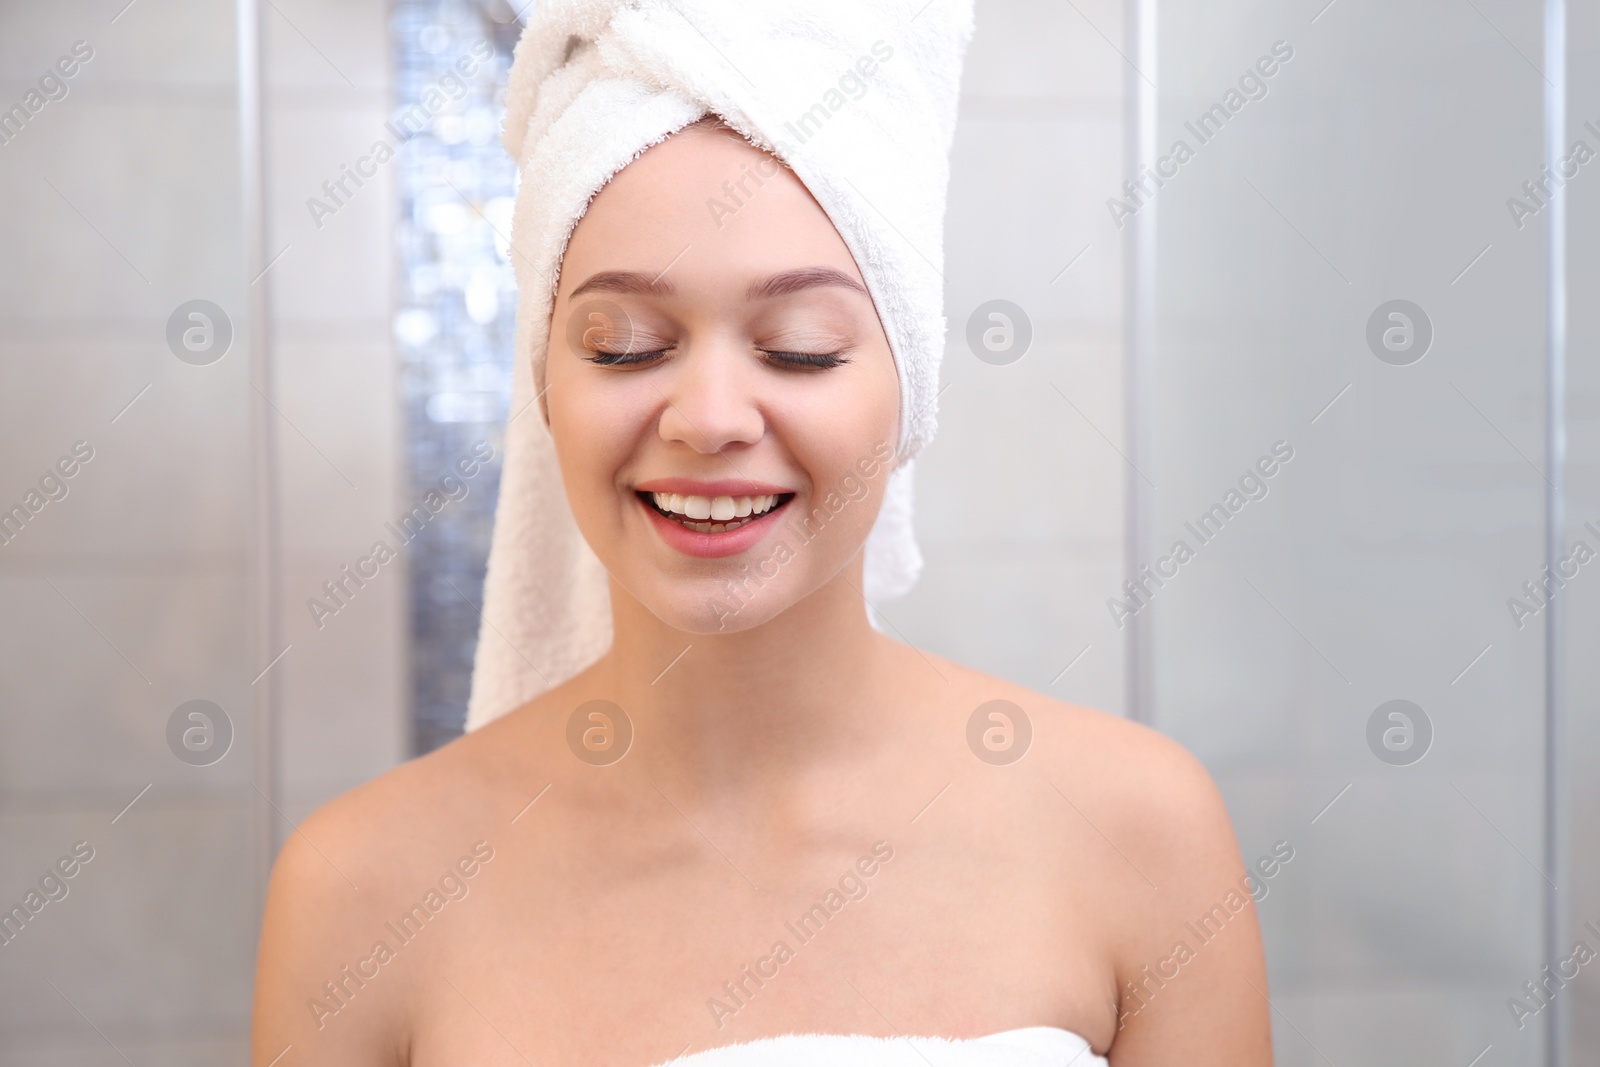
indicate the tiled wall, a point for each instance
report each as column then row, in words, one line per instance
column 131, row 595
column 339, row 447
column 1376, row 166
column 1582, row 670
column 1019, row 506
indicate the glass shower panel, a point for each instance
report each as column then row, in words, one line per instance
column 126, row 662
column 1347, row 453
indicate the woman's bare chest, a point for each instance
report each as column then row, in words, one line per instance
column 632, row 964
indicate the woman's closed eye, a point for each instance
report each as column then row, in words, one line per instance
column 785, row 360
column 817, row 360
column 626, row 359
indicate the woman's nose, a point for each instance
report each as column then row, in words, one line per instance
column 710, row 398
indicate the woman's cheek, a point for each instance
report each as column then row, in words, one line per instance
column 582, row 447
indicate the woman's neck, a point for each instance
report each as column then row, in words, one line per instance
column 716, row 712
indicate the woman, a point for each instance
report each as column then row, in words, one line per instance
column 755, row 815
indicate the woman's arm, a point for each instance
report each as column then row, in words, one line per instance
column 1191, row 976
column 317, row 937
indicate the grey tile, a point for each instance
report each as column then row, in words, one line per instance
column 155, row 45
column 1034, row 52
column 88, row 1049
column 345, row 686
column 1396, row 1023
column 338, row 440
column 108, row 224
column 156, row 932
column 1022, row 454
column 93, row 692
column 1403, row 879
column 331, row 47
column 337, row 267
column 1022, row 614
column 166, row 474
column 1027, row 199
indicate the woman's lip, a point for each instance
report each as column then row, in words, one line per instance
column 710, row 545
column 725, row 487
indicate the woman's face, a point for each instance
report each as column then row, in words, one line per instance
column 722, row 396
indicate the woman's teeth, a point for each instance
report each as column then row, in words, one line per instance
column 723, row 512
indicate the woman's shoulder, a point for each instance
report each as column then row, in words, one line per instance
column 1123, row 776
column 1083, row 738
column 1145, row 834
column 354, row 878
column 402, row 817
column 402, row 821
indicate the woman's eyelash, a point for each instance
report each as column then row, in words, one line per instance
column 820, row 360
column 624, row 359
column 807, row 359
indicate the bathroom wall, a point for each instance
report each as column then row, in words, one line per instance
column 1581, row 667
column 1400, row 507
column 1020, row 508
column 131, row 595
column 344, row 703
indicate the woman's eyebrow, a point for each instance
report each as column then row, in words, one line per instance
column 624, row 281
column 793, row 281
column 781, row 284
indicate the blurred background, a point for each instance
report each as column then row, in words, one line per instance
column 255, row 301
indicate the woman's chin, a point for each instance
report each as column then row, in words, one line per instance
column 716, row 608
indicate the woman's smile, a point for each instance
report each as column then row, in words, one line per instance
column 712, row 519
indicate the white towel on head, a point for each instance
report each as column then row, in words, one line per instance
column 858, row 97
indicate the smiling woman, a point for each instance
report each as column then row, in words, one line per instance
column 715, row 361
column 671, row 779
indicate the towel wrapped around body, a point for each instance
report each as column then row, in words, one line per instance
column 1035, row 1046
